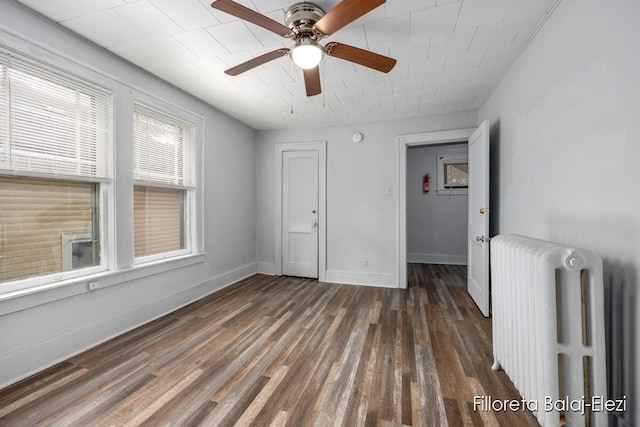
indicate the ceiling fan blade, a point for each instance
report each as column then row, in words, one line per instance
column 259, row 60
column 345, row 13
column 252, row 16
column 360, row 56
column 312, row 81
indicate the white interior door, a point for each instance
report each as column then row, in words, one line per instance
column 300, row 213
column 478, row 245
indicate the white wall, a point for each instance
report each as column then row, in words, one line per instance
column 42, row 328
column 565, row 157
column 362, row 222
column 436, row 224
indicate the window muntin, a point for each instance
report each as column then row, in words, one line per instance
column 164, row 183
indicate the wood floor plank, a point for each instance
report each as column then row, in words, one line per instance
column 428, row 382
column 35, row 394
column 368, row 391
column 91, row 407
column 148, row 412
column 128, row 408
column 284, row 351
column 249, row 415
column 308, row 364
column 454, row 417
column 342, row 382
column 351, row 416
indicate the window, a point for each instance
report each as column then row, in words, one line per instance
column 164, row 183
column 55, row 151
column 456, row 175
column 453, row 174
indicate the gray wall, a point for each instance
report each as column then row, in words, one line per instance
column 565, row 155
column 436, row 224
column 362, row 221
column 40, row 328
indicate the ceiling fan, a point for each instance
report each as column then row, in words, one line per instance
column 307, row 24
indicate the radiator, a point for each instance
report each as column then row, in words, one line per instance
column 548, row 328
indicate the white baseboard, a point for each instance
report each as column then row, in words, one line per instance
column 267, row 268
column 437, row 259
column 233, row 276
column 382, row 280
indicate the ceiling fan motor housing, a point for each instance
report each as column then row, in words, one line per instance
column 302, row 16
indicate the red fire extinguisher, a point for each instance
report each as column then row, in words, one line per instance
column 425, row 187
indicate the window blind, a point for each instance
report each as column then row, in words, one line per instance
column 158, row 220
column 162, row 149
column 53, row 124
column 34, row 215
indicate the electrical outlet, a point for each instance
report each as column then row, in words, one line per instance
column 92, row 286
column 365, row 263
column 387, row 190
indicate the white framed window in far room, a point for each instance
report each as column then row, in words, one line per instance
column 164, row 184
column 55, row 169
column 453, row 174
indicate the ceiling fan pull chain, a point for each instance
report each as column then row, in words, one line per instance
column 292, row 82
column 323, row 96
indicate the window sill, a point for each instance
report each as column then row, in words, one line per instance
column 452, row 192
column 38, row 295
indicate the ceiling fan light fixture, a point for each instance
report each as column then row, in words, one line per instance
column 307, row 53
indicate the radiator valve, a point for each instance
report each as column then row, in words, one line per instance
column 574, row 261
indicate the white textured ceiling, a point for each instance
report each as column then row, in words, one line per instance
column 450, row 54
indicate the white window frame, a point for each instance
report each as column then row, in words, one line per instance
column 104, row 193
column 190, row 200
column 443, row 161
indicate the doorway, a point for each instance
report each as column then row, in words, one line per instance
column 437, row 208
column 300, row 229
column 404, row 142
column 478, row 206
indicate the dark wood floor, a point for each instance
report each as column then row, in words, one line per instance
column 286, row 351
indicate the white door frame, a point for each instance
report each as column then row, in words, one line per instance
column 404, row 142
column 321, row 148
